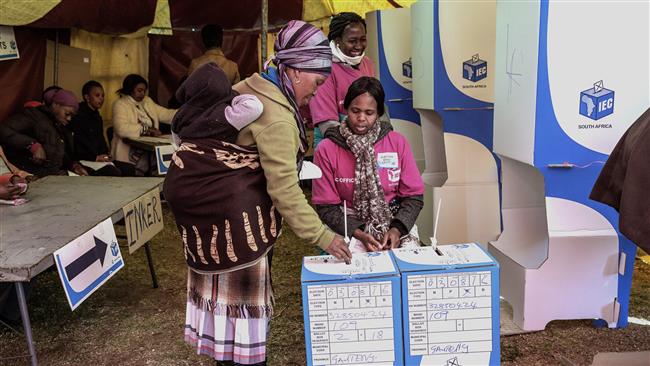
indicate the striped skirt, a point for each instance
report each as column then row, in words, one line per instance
column 228, row 314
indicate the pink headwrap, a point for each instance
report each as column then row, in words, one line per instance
column 302, row 46
column 65, row 98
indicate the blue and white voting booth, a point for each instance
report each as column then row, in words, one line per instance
column 450, row 305
column 352, row 312
column 389, row 47
column 570, row 79
column 453, row 81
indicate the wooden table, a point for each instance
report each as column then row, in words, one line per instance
column 60, row 210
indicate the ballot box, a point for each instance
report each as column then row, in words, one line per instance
column 450, row 305
column 352, row 312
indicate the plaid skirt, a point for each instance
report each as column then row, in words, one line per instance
column 228, row 314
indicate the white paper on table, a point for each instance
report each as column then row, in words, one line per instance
column 96, row 165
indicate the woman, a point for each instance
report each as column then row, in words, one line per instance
column 253, row 184
column 372, row 169
column 135, row 115
column 38, row 139
column 347, row 37
column 88, row 128
column 13, row 181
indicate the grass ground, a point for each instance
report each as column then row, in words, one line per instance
column 128, row 323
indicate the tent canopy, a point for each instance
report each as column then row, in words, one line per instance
column 116, row 32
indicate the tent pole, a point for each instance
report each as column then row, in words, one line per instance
column 55, row 64
column 265, row 30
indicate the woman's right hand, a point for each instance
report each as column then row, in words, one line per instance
column 103, row 158
column 39, row 155
column 154, row 132
column 368, row 241
column 339, row 248
column 9, row 191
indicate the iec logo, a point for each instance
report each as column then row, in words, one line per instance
column 475, row 69
column 407, row 69
column 597, row 102
column 114, row 249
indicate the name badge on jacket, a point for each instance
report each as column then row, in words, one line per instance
column 387, row 160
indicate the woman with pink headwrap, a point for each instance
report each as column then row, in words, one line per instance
column 229, row 231
column 38, row 139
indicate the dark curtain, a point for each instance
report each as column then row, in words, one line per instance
column 100, row 16
column 244, row 14
column 22, row 79
column 169, row 57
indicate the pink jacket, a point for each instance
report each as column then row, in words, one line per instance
column 328, row 102
column 397, row 170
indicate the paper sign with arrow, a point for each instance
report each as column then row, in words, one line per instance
column 164, row 157
column 87, row 262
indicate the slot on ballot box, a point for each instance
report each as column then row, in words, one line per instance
column 352, row 312
column 450, row 305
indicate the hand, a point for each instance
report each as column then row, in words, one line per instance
column 9, row 191
column 103, row 158
column 79, row 169
column 154, row 132
column 339, row 248
column 39, row 155
column 371, row 244
column 391, row 239
column 17, row 179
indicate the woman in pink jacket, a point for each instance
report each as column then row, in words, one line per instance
column 370, row 167
column 347, row 39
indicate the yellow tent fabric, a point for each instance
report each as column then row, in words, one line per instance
column 112, row 58
column 162, row 23
column 315, row 10
column 21, row 12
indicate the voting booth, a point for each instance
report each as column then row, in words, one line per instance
column 453, row 77
column 352, row 312
column 450, row 305
column 565, row 93
column 389, row 47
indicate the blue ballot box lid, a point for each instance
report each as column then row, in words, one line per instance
column 364, row 265
column 455, row 256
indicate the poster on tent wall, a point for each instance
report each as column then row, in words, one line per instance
column 8, row 45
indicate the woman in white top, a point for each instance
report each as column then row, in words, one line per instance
column 135, row 115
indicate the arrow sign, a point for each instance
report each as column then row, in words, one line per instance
column 76, row 262
column 164, row 155
column 98, row 252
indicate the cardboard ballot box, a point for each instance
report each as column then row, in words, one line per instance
column 352, row 312
column 450, row 305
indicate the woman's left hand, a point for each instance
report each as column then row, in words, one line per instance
column 79, row 169
column 154, row 132
column 391, row 239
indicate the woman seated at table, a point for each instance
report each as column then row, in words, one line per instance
column 135, row 115
column 88, row 128
column 370, row 167
column 38, row 139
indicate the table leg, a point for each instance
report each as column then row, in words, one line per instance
column 22, row 304
column 154, row 279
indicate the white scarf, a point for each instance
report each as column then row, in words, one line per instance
column 143, row 117
column 336, row 51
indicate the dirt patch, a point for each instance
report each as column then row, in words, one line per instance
column 126, row 322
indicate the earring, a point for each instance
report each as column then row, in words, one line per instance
column 297, row 81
